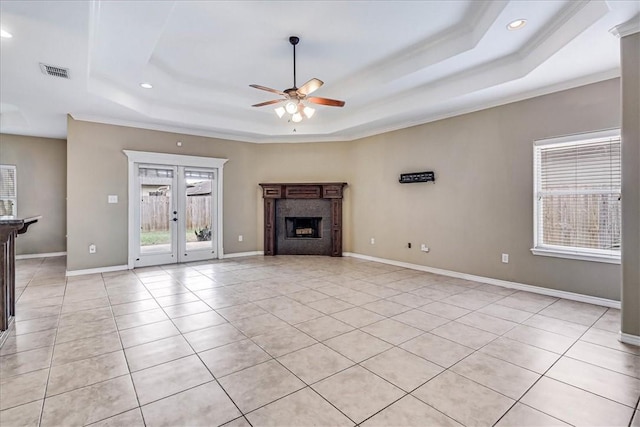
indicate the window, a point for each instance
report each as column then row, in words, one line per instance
column 8, row 190
column 577, row 206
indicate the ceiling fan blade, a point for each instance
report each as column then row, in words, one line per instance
column 262, row 104
column 268, row 89
column 310, row 86
column 326, row 101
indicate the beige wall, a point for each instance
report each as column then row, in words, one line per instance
column 41, row 168
column 630, row 53
column 481, row 204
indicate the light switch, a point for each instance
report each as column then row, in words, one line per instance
column 113, row 198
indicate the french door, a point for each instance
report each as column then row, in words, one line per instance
column 175, row 208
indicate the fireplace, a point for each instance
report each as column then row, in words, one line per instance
column 303, row 219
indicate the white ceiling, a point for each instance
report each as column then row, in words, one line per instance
column 395, row 63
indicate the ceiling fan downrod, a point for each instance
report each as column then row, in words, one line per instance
column 294, row 41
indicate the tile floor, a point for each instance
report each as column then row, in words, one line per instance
column 295, row 341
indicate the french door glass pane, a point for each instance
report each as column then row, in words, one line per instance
column 156, row 211
column 199, row 192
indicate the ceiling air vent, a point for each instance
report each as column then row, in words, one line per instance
column 52, row 70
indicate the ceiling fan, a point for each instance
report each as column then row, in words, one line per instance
column 294, row 96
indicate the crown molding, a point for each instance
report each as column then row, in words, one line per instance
column 632, row 26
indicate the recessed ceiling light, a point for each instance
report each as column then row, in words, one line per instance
column 146, row 85
column 5, row 34
column 517, row 24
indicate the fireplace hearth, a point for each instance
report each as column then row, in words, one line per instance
column 303, row 219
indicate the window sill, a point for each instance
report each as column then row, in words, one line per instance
column 558, row 253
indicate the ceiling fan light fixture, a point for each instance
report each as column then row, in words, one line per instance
column 308, row 112
column 296, row 118
column 280, row 111
column 291, row 108
column 5, row 34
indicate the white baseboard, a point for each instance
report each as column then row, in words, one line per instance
column 630, row 339
column 46, row 255
column 498, row 282
column 97, row 270
column 242, row 254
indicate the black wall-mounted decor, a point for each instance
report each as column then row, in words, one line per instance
column 407, row 178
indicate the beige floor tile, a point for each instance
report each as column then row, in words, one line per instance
column 259, row 385
column 574, row 311
column 444, row 310
column 498, row 375
column 186, row 309
column 575, row 406
column 169, row 378
column 561, row 327
column 147, row 333
column 465, row 335
column 345, row 391
column 171, row 289
column 610, row 321
column 472, row 300
column 506, row 313
column 401, row 368
column 357, row 298
column 85, row 330
column 386, row 308
column 36, row 313
column 132, row 418
column 330, row 305
column 258, row 325
column 357, row 345
column 636, row 419
column 392, row 331
column 233, row 357
column 75, row 306
column 539, row 338
column 18, row 343
column 446, row 392
column 437, row 350
column 140, row 318
column 34, row 325
column 157, row 352
column 241, row 311
column 302, row 408
column 380, row 291
column 524, row 416
column 314, row 363
column 90, row 404
column 27, row 415
column 122, row 298
column 176, row 299
column 205, row 405
column 307, row 296
column 333, row 290
column 74, row 375
column 619, row 361
column 420, row 319
column 358, row 317
column 609, row 339
column 298, row 314
column 283, row 341
column 85, row 348
column 21, row 389
column 410, row 412
column 410, row 300
column 84, row 316
column 134, row 307
column 523, row 355
column 603, row 382
column 527, row 301
column 324, row 328
column 487, row 323
column 25, row 361
column 215, row 336
column 198, row 321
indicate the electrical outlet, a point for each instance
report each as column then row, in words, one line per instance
column 373, row 241
column 505, row 258
column 424, row 247
column 92, row 249
column 240, row 238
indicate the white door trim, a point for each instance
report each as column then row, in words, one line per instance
column 172, row 160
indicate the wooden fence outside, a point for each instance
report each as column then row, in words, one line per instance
column 155, row 212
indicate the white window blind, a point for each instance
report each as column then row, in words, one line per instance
column 577, row 195
column 8, row 190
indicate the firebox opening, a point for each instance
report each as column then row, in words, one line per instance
column 303, row 227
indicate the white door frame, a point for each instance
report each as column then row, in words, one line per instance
column 172, row 160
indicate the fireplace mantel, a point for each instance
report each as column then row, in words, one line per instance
column 271, row 192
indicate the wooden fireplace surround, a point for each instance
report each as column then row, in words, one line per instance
column 326, row 190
